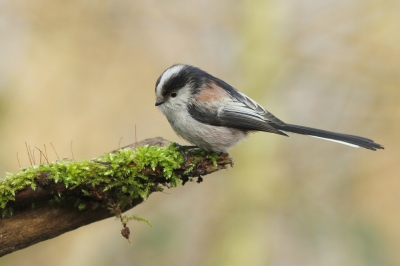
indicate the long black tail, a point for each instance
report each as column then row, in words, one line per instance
column 351, row 140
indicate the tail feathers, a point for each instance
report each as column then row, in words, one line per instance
column 351, row 140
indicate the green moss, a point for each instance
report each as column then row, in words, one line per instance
column 199, row 154
column 127, row 218
column 120, row 171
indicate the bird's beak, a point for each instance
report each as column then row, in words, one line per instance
column 159, row 102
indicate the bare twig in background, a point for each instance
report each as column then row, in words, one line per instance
column 72, row 151
column 58, row 158
column 19, row 164
column 29, row 155
column 42, row 154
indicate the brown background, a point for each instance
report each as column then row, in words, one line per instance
column 84, row 71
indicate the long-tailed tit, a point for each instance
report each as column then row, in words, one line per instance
column 213, row 115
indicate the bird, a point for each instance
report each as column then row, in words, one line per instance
column 214, row 116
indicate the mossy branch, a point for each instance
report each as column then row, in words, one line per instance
column 44, row 201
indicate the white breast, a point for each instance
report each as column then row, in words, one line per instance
column 205, row 136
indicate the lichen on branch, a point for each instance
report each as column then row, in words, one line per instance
column 122, row 169
column 125, row 174
column 43, row 201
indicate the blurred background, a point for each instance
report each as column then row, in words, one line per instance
column 84, row 71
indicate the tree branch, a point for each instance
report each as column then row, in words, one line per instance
column 65, row 195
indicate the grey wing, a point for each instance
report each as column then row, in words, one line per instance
column 236, row 113
column 259, row 109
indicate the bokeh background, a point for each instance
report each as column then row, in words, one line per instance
column 84, row 71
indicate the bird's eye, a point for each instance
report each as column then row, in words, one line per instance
column 173, row 94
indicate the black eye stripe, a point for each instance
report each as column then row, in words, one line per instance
column 188, row 75
column 158, row 82
column 175, row 83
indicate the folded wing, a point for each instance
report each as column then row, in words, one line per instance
column 244, row 114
